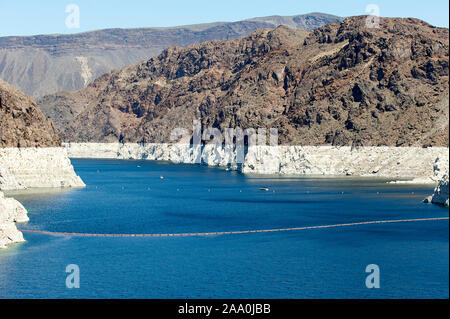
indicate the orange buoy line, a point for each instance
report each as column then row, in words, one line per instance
column 233, row 232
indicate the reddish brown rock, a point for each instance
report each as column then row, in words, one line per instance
column 22, row 123
column 343, row 84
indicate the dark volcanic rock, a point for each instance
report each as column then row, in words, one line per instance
column 22, row 123
column 342, row 84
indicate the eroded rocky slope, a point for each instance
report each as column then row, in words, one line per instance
column 342, row 84
column 440, row 196
column 22, row 123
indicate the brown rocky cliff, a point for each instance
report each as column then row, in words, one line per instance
column 343, row 84
column 22, row 123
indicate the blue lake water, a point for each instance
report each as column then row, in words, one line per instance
column 129, row 197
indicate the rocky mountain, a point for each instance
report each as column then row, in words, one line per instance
column 22, row 123
column 45, row 64
column 342, row 84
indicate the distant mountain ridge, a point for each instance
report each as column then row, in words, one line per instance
column 46, row 64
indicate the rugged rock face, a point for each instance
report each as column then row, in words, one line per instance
column 46, row 64
column 11, row 212
column 440, row 196
column 22, row 123
column 343, row 84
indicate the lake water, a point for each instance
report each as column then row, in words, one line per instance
column 129, row 197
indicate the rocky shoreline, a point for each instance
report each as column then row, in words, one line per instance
column 11, row 212
column 408, row 164
column 51, row 167
column 440, row 196
column 22, row 168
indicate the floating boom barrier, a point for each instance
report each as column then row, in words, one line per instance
column 233, row 232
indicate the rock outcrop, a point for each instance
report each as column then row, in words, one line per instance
column 11, row 212
column 22, row 168
column 344, row 84
column 46, row 64
column 440, row 196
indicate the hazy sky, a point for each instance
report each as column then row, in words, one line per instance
column 29, row 17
